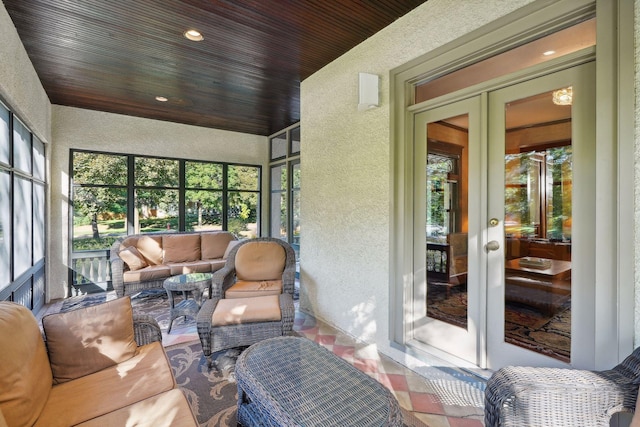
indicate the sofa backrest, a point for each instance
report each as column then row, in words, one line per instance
column 25, row 373
column 257, row 261
column 214, row 244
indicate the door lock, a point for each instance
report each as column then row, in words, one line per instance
column 493, row 222
column 492, row 246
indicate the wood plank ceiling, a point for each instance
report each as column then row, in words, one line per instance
column 118, row 55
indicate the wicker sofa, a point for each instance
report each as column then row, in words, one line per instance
column 144, row 261
column 101, row 366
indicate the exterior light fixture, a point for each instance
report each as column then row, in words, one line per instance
column 563, row 96
column 194, row 35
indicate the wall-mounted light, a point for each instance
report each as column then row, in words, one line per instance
column 563, row 96
column 368, row 91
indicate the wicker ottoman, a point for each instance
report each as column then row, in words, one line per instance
column 290, row 381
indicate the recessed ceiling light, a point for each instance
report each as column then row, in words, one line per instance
column 549, row 52
column 161, row 99
column 194, row 35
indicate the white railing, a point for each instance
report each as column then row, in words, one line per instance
column 90, row 271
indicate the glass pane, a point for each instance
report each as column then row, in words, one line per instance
column 204, row 210
column 99, row 217
column 151, row 172
column 5, row 230
column 38, row 222
column 295, row 140
column 156, row 210
column 296, row 208
column 538, row 185
column 244, row 177
column 279, row 201
column 22, row 225
column 446, row 231
column 4, row 134
column 99, row 169
column 243, row 214
column 38, row 159
column 279, row 146
column 203, row 175
column 21, row 146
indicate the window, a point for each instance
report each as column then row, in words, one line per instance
column 119, row 194
column 22, row 212
column 284, row 186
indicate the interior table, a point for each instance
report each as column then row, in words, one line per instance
column 288, row 381
column 194, row 283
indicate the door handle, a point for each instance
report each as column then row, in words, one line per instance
column 492, row 246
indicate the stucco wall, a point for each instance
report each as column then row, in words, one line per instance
column 346, row 164
column 19, row 83
column 93, row 130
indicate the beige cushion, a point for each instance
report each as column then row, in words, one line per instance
column 169, row 409
column 150, row 247
column 213, row 245
column 89, row 339
column 25, row 375
column 146, row 374
column 216, row 264
column 181, row 248
column 152, row 272
column 232, row 244
column 256, row 261
column 133, row 258
column 190, row 267
column 247, row 310
column 244, row 289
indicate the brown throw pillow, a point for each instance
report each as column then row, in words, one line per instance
column 133, row 258
column 87, row 340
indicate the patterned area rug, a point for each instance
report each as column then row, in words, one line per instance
column 524, row 326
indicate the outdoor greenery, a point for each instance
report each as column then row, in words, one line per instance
column 101, row 185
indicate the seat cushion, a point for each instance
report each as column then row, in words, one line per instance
column 247, row 310
column 256, row 261
column 25, row 374
column 181, row 248
column 169, row 409
column 190, row 267
column 146, row 374
column 89, row 339
column 133, row 258
column 152, row 272
column 246, row 289
column 216, row 264
column 213, row 245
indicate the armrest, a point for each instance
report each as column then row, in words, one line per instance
column 221, row 281
column 287, row 311
column 145, row 329
column 524, row 396
column 203, row 323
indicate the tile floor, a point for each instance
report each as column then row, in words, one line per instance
column 439, row 395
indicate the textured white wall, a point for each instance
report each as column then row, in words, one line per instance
column 637, row 173
column 93, row 130
column 346, row 193
column 19, row 83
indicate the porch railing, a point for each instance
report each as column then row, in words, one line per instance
column 90, row 272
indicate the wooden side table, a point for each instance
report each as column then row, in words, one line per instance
column 195, row 283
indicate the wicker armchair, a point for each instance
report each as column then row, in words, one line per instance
column 524, row 396
column 230, row 287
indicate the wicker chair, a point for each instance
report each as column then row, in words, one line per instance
column 524, row 396
column 239, row 333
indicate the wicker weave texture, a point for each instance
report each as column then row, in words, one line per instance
column 289, row 381
column 526, row 396
column 146, row 329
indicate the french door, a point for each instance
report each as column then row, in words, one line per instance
column 503, row 211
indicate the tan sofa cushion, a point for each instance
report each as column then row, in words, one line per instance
column 216, row 264
column 89, row 339
column 181, row 248
column 244, row 289
column 169, row 409
column 214, row 244
column 150, row 247
column 146, row 374
column 256, row 261
column 133, row 258
column 247, row 310
column 152, row 272
column 190, row 267
column 25, row 375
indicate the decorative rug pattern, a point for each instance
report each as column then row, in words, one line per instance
column 524, row 326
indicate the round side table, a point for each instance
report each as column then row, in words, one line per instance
column 195, row 283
